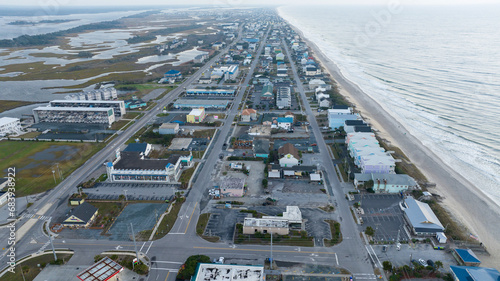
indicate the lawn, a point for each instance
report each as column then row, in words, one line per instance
column 10, row 104
column 31, row 269
column 203, row 133
column 107, row 214
column 201, row 225
column 131, row 115
column 187, row 174
column 119, row 124
column 169, row 219
column 34, row 165
column 336, row 234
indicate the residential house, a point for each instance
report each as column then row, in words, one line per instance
column 244, row 141
column 248, row 115
column 312, row 70
column 289, row 155
column 280, row 57
column 324, row 103
column 338, row 114
column 81, row 216
column 270, row 119
column 350, row 124
column 390, row 183
column 284, row 123
column 261, row 148
column 267, row 92
column 172, row 75
column 466, row 257
column 315, row 83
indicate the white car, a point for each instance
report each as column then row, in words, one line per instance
column 422, row 262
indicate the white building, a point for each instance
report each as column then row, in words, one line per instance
column 169, row 129
column 118, row 106
column 291, row 218
column 9, row 125
column 89, row 115
column 368, row 155
column 284, row 97
column 132, row 167
column 227, row 272
column 230, row 72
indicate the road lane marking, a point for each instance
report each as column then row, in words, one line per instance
column 262, row 250
column 140, row 250
column 337, row 258
column 149, row 247
column 190, row 217
column 174, row 262
column 167, row 276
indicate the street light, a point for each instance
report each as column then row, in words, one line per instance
column 54, row 175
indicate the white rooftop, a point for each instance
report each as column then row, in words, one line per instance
column 72, row 108
column 87, row 101
column 266, row 221
column 196, row 111
column 293, row 214
column 226, row 272
column 7, row 120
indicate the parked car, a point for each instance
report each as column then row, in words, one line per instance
column 384, row 248
column 431, row 263
column 422, row 262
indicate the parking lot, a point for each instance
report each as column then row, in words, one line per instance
column 222, row 223
column 383, row 214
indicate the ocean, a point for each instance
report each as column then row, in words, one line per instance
column 434, row 68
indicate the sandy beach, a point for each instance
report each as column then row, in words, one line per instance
column 466, row 203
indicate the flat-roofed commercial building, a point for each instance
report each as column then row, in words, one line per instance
column 228, row 272
column 89, row 115
column 292, row 218
column 218, row 92
column 196, row 115
column 133, row 167
column 118, row 106
column 9, row 125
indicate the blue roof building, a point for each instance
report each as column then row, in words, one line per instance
column 285, row 120
column 466, row 257
column 172, row 73
column 472, row 273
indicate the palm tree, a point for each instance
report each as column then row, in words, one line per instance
column 438, row 264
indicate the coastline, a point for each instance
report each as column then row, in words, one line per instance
column 465, row 202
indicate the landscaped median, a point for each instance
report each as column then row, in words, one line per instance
column 201, row 225
column 336, row 234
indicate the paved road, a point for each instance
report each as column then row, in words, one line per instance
column 352, row 248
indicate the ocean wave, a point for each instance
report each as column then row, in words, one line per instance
column 435, row 97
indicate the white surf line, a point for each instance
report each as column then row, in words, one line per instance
column 152, row 244
column 140, row 250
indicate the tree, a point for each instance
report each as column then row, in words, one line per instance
column 387, row 265
column 370, row 231
column 438, row 264
column 188, row 268
column 264, row 183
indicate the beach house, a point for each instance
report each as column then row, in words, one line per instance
column 289, row 155
column 338, row 114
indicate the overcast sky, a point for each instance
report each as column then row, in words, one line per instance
column 234, row 3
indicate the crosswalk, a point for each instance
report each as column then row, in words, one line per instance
column 365, row 276
column 35, row 216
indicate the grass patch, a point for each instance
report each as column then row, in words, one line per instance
column 328, row 208
column 336, row 234
column 30, row 135
column 186, row 175
column 119, row 124
column 169, row 219
column 136, row 135
column 203, row 133
column 35, row 175
column 30, row 267
column 131, row 115
column 11, row 104
column 107, row 213
column 200, row 228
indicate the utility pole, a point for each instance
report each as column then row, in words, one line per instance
column 125, row 190
column 54, row 175
column 271, row 259
column 135, row 245
column 22, row 273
